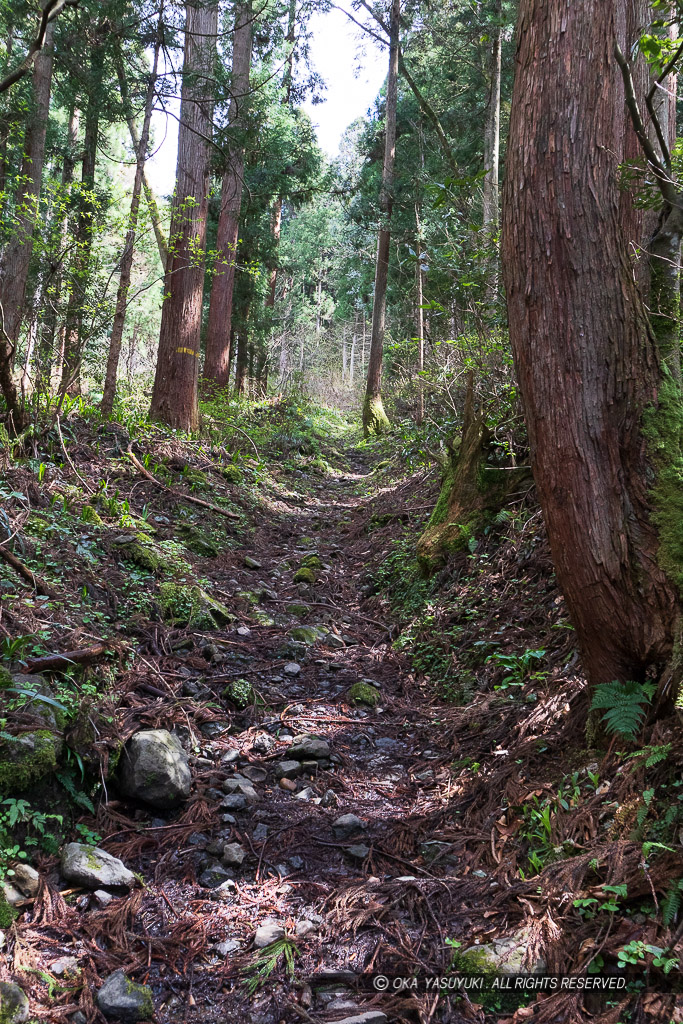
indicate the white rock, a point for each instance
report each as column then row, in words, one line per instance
column 269, row 931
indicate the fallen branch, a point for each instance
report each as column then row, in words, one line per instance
column 79, row 657
column 178, row 494
column 26, row 574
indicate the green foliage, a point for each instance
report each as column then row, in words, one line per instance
column 266, row 961
column 624, row 705
column 517, row 667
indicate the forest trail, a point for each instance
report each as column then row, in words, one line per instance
column 336, row 848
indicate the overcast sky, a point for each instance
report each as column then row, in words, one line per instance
column 354, row 68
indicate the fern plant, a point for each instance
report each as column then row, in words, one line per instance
column 624, row 705
column 267, row 960
column 671, row 903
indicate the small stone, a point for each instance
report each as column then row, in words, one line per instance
column 292, row 668
column 263, row 744
column 14, row 1007
column 251, row 563
column 260, row 833
column 268, row 932
column 26, row 878
column 367, row 1017
column 287, row 770
column 224, row 890
column 346, row 825
column 296, row 861
column 3, row 940
column 214, row 729
column 234, row 854
column 12, row 895
column 334, row 641
column 287, row 784
column 305, row 794
column 329, row 799
column 228, row 819
column 234, row 802
column 305, row 927
column 305, row 747
column 102, row 897
column 359, row 851
column 214, row 876
column 94, row 868
column 229, row 946
column 65, row 966
column 230, row 757
column 244, row 631
column 123, row 999
column 79, row 1018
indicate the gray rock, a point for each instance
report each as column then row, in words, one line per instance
column 94, row 868
column 305, row 794
column 509, row 955
column 287, row 769
column 241, row 786
column 103, row 897
column 26, row 878
column 251, row 563
column 224, row 891
column 13, row 1004
column 269, row 931
column 347, row 825
column 154, row 769
column 329, row 799
column 292, row 668
column 358, row 851
column 215, row 876
column 234, row 802
column 260, row 832
column 334, row 641
column 234, row 854
column 230, row 757
column 79, row 1018
column 244, row 632
column 305, row 927
column 125, row 1000
column 263, row 744
column 12, row 895
column 66, row 965
column 229, row 946
column 213, row 729
column 296, row 861
column 366, row 1017
column 305, row 747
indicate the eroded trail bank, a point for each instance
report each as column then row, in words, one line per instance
column 304, row 801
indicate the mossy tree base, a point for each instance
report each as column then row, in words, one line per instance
column 375, row 420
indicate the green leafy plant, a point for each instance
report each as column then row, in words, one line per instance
column 624, row 705
column 267, row 959
column 517, row 667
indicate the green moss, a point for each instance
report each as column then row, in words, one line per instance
column 144, row 994
column 663, row 430
column 91, row 515
column 7, row 915
column 311, row 562
column 299, row 610
column 233, row 474
column 363, row 693
column 240, row 691
column 197, row 541
column 305, row 575
column 141, row 551
column 375, row 420
column 26, row 759
column 5, row 678
column 474, row 961
column 440, row 512
column 190, row 605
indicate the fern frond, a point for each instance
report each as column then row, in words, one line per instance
column 624, row 705
column 671, row 903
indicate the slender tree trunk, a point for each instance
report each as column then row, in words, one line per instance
column 352, row 356
column 126, row 266
column 53, row 290
column 242, row 361
column 491, row 198
column 344, row 354
column 17, row 256
column 174, row 398
column 74, row 341
column 276, row 214
column 374, row 417
column 419, row 316
column 217, row 361
column 601, row 424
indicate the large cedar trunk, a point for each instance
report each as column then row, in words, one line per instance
column 174, row 398
column 374, row 417
column 586, row 359
column 218, row 354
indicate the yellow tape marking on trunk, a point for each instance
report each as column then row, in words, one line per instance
column 188, row 352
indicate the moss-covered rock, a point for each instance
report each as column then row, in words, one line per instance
column 307, row 634
column 92, row 516
column 363, row 693
column 311, row 562
column 233, row 474
column 300, row 611
column 198, row 541
column 140, row 550
column 240, row 692
column 14, row 1006
column 187, row 605
column 7, row 914
column 305, row 575
column 28, row 758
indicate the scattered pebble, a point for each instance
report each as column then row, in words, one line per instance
column 269, row 931
column 292, row 668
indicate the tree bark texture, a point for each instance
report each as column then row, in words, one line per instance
column 374, row 417
column 174, row 398
column 587, row 364
column 218, row 354
column 17, row 257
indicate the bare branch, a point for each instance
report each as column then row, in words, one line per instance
column 49, row 13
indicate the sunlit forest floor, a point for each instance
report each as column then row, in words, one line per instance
column 448, row 714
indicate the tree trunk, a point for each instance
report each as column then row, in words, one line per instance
column 419, row 318
column 74, row 341
column 588, row 368
column 174, row 398
column 242, row 361
column 17, row 256
column 375, row 419
column 491, row 198
column 217, row 361
column 126, row 266
column 276, row 214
